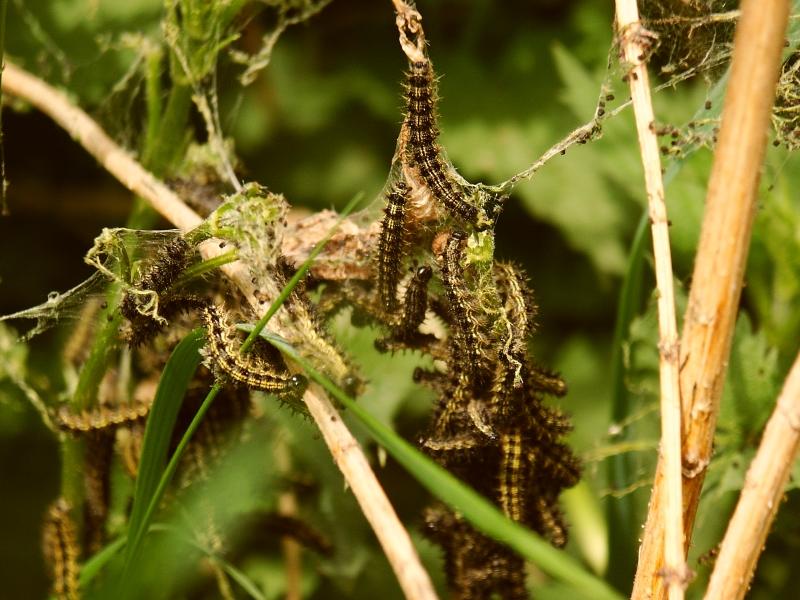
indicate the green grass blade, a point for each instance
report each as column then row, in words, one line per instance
column 475, row 508
column 178, row 372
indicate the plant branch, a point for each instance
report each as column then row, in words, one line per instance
column 346, row 452
column 761, row 495
column 635, row 44
column 719, row 266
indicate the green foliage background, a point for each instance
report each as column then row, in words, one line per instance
column 319, row 125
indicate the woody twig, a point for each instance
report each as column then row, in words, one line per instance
column 635, row 42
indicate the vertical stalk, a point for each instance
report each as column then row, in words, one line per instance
column 635, row 45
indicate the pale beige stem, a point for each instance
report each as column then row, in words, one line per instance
column 719, row 267
column 347, row 453
column 761, row 495
column 635, row 43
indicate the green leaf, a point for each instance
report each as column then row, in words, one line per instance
column 177, row 374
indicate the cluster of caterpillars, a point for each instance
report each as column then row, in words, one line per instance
column 490, row 426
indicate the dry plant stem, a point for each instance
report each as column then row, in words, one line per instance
column 635, row 44
column 88, row 134
column 719, row 266
column 347, row 453
column 761, row 495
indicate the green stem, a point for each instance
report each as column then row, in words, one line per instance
column 153, row 102
column 100, row 355
column 163, row 150
column 72, row 488
column 204, row 267
column 301, row 272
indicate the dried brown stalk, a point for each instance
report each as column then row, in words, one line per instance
column 761, row 495
column 635, row 43
column 346, row 452
column 719, row 267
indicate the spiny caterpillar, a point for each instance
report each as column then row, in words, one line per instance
column 101, row 418
column 415, row 303
column 150, row 308
column 520, row 312
column 97, row 487
column 61, row 550
column 469, row 339
column 424, row 152
column 390, row 245
column 477, row 567
column 250, row 369
column 511, row 486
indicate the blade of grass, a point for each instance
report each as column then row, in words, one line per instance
column 178, row 372
column 475, row 508
column 137, row 536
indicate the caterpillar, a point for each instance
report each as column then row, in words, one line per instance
column 250, row 370
column 310, row 337
column 391, row 246
column 470, row 340
column 97, row 485
column 170, row 261
column 552, row 522
column 101, row 418
column 147, row 306
column 423, row 150
column 548, row 381
column 512, row 481
column 61, row 551
column 415, row 303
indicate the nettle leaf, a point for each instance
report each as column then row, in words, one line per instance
column 751, row 387
column 773, row 273
column 752, row 384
